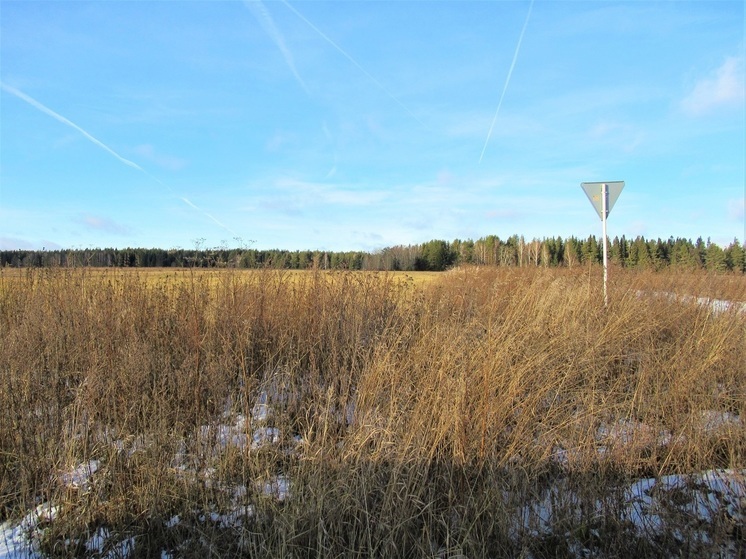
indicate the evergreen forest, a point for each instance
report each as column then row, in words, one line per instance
column 434, row 255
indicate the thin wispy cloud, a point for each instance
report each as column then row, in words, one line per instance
column 265, row 19
column 737, row 210
column 724, row 88
column 275, row 205
column 626, row 136
column 169, row 162
column 503, row 214
column 354, row 62
column 103, row 224
column 309, row 194
column 16, row 243
column 279, row 140
column 507, row 79
column 329, row 138
column 46, row 110
column 13, row 243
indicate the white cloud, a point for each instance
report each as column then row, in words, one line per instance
column 724, row 88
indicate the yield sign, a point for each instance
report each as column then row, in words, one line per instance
column 594, row 191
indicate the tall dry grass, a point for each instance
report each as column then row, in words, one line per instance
column 434, row 419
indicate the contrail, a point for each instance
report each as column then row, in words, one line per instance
column 507, row 80
column 46, row 110
column 264, row 17
column 188, row 202
column 212, row 217
column 359, row 67
column 34, row 103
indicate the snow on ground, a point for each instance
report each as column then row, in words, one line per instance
column 717, row 306
column 702, row 497
column 21, row 540
column 79, row 477
column 648, row 504
column 98, row 542
column 651, row 504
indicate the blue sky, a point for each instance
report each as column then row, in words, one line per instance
column 359, row 125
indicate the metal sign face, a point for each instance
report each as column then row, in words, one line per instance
column 594, row 192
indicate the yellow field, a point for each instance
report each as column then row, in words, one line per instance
column 162, row 274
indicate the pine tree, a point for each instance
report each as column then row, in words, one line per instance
column 735, row 256
column 715, row 258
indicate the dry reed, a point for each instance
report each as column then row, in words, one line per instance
column 409, row 420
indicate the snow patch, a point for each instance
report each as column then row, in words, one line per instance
column 80, row 476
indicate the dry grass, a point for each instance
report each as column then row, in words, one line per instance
column 412, row 417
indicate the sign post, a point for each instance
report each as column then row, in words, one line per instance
column 603, row 195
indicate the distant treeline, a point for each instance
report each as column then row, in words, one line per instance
column 433, row 255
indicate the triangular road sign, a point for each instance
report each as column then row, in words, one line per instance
column 594, row 192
